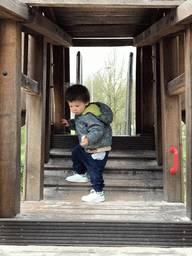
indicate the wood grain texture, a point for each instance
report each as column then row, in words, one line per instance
column 15, row 9
column 132, row 3
column 170, row 24
column 171, row 126
column 10, row 117
column 188, row 80
column 35, row 125
column 44, row 26
column 29, row 85
column 177, row 85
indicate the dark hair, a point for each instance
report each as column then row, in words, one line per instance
column 77, row 92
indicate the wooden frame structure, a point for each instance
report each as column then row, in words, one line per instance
column 32, row 39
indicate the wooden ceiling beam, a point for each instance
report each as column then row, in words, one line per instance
column 99, row 31
column 44, row 26
column 170, row 24
column 49, row 13
column 14, row 9
column 100, row 10
column 106, row 20
column 107, row 3
column 102, row 42
column 17, row 10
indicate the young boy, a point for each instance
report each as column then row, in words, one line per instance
column 92, row 125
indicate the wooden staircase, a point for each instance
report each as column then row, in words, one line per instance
column 71, row 222
column 131, row 165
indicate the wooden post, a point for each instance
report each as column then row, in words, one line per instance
column 48, row 105
column 157, row 103
column 10, row 117
column 182, row 70
column 188, row 81
column 144, row 98
column 138, row 91
column 67, row 83
column 148, row 106
column 79, row 68
column 24, row 63
column 34, row 163
column 58, row 79
column 129, row 96
column 171, row 124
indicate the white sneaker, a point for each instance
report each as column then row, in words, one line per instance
column 78, row 177
column 94, row 196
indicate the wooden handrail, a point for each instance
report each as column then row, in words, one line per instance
column 174, row 150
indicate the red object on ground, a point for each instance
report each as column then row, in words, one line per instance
column 174, row 150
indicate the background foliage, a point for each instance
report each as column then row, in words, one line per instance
column 109, row 85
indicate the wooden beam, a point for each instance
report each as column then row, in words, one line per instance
column 14, row 9
column 177, row 85
column 51, row 31
column 157, row 103
column 35, row 121
column 139, row 90
column 188, row 95
column 49, row 83
column 171, row 128
column 29, row 85
column 139, row 14
column 144, row 92
column 172, row 23
column 100, row 31
column 67, row 83
column 58, row 78
column 10, row 117
column 107, row 3
column 25, row 53
column 112, row 19
column 102, row 42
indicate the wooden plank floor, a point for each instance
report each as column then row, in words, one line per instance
column 40, row 250
column 65, row 205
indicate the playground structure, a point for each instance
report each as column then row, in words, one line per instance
column 35, row 37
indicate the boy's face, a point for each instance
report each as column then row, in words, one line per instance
column 77, row 107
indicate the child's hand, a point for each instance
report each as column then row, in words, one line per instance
column 84, row 141
column 64, row 121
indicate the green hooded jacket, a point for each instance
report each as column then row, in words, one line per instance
column 94, row 123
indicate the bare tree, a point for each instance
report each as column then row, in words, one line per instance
column 109, row 86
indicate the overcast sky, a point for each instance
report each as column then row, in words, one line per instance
column 94, row 59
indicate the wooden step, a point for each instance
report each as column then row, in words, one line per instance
column 90, row 233
column 139, row 142
column 125, row 169
column 112, row 164
column 118, row 160
column 133, row 154
column 140, row 179
column 113, row 195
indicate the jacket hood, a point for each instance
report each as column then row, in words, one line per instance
column 101, row 111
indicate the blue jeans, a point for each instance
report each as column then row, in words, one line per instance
column 83, row 161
